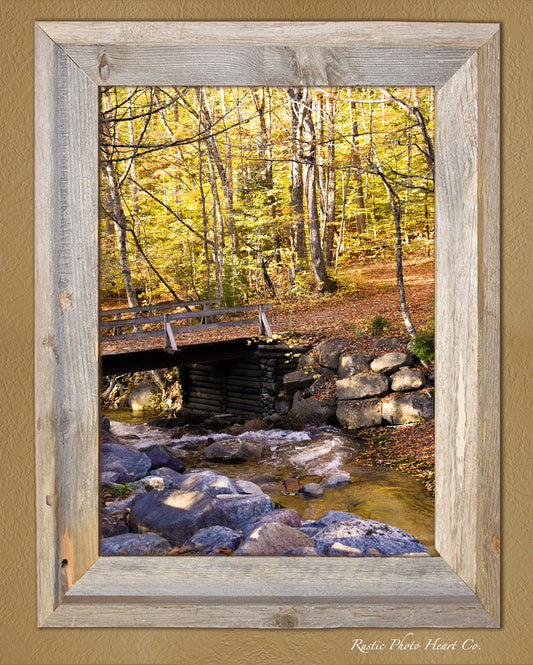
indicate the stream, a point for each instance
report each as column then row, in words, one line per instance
column 376, row 493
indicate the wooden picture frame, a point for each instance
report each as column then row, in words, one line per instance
column 76, row 587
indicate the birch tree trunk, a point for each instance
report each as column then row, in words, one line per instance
column 121, row 226
column 397, row 214
column 308, row 156
column 329, row 235
column 297, row 185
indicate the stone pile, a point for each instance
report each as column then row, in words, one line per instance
column 370, row 390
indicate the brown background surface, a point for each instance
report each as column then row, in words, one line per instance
column 20, row 640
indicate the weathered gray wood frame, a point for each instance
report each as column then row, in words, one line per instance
column 459, row 588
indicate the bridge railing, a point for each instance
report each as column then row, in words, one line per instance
column 208, row 317
column 144, row 313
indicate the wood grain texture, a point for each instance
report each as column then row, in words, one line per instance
column 345, row 53
column 251, row 592
column 269, row 64
column 456, row 314
column 71, row 62
column 66, row 354
column 45, row 342
column 488, row 487
column 467, row 316
column 168, row 33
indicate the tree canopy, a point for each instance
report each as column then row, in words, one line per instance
column 250, row 193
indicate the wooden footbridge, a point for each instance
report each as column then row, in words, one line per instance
column 239, row 374
column 157, row 334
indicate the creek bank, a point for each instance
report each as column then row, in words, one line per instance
column 283, row 461
column 338, row 382
column 204, row 511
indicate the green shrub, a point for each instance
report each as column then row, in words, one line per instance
column 378, row 325
column 424, row 343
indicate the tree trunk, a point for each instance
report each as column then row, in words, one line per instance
column 228, row 187
column 360, row 215
column 320, row 161
column 135, row 197
column 120, row 233
column 309, row 170
column 214, row 153
column 204, row 220
column 267, row 175
column 396, row 213
column 329, row 234
column 297, row 185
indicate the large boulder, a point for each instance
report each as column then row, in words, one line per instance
column 301, row 379
column 353, row 363
column 160, row 456
column 234, row 450
column 273, row 538
column 124, row 463
column 407, row 379
column 208, row 482
column 311, row 413
column 390, row 362
column 355, row 415
column 133, row 544
column 406, row 409
column 386, row 344
column 365, row 538
column 286, row 516
column 361, row 386
column 307, row 359
column 301, row 551
column 143, row 396
column 316, row 385
column 175, row 514
column 329, row 351
column 168, row 474
column 312, row 527
column 241, row 508
column 215, row 540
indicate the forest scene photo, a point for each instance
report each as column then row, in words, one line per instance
column 267, row 321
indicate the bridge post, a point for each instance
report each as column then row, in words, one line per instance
column 170, row 342
column 264, row 326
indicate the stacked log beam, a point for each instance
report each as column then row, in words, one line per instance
column 248, row 386
column 276, row 360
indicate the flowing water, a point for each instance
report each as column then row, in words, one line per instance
column 376, row 493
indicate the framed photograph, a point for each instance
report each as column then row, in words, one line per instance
column 459, row 588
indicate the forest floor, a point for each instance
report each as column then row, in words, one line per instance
column 363, row 293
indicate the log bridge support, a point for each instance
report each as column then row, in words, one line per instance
column 247, row 385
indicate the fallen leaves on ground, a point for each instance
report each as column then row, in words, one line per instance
column 407, row 448
column 313, row 317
